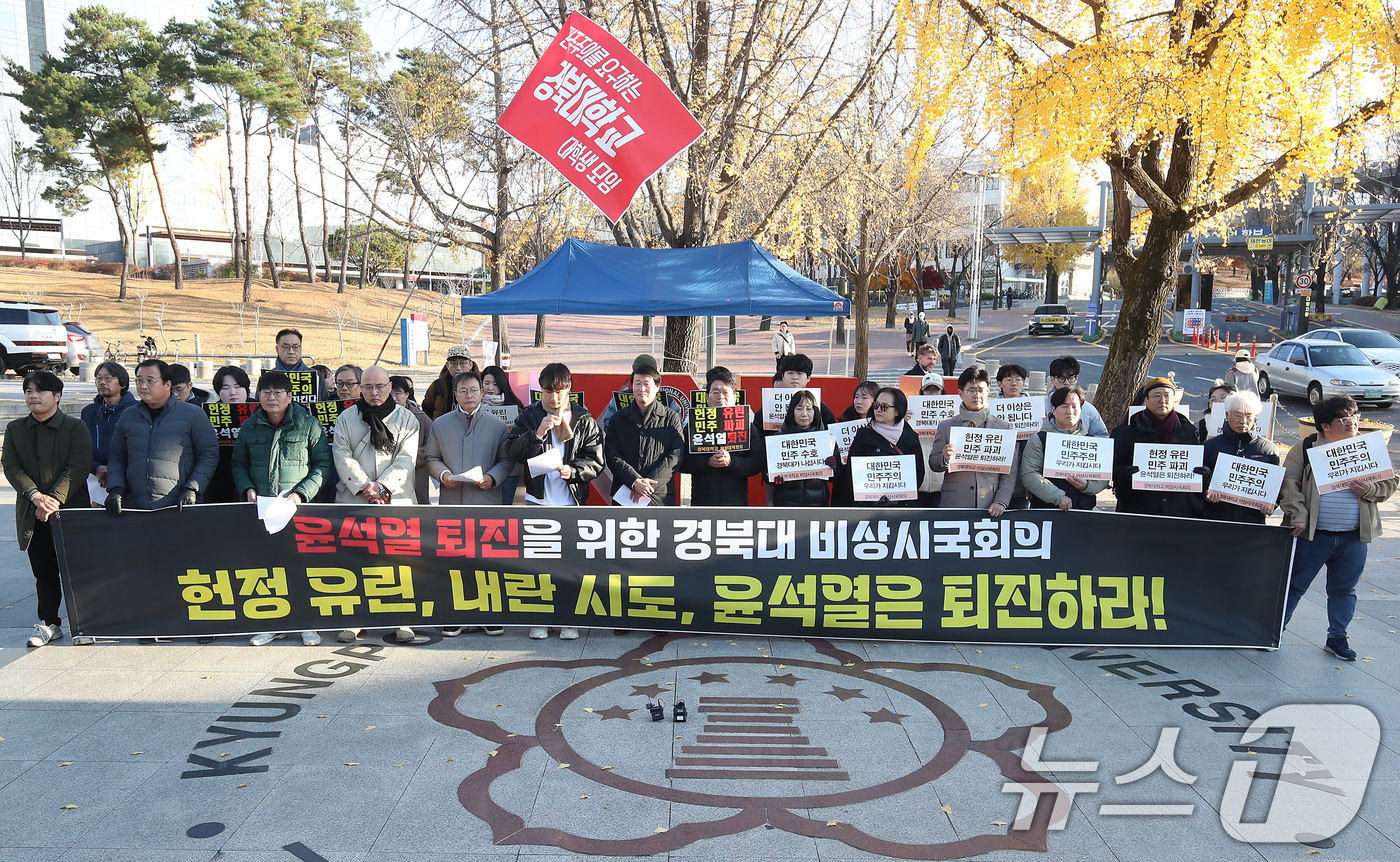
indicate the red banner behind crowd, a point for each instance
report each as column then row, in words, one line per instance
column 599, row 114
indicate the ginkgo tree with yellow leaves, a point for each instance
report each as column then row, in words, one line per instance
column 1049, row 196
column 1192, row 107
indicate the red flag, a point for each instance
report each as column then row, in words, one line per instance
column 600, row 115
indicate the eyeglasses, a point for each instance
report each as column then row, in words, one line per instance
column 149, row 381
column 468, row 392
column 274, row 393
column 375, row 387
column 880, row 405
column 347, row 383
column 104, row 378
column 1066, row 380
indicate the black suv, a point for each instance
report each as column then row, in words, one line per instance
column 1055, row 319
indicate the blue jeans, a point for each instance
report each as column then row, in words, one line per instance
column 1344, row 554
column 508, row 490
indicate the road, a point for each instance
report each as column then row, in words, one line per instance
column 1195, row 368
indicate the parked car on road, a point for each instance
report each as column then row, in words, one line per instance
column 1381, row 348
column 1057, row 319
column 83, row 345
column 31, row 336
column 1318, row 370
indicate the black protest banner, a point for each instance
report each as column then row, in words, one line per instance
column 719, row 429
column 1050, row 577
column 228, row 418
column 304, row 388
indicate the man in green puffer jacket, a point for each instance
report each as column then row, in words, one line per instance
column 281, row 449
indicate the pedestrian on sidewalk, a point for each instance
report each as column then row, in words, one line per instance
column 784, row 344
column 1333, row 529
column 921, row 331
column 1243, row 374
column 949, row 346
column 46, row 459
column 909, row 335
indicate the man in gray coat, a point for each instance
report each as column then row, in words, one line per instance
column 163, row 450
column 465, row 439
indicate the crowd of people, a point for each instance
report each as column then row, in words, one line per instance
column 158, row 449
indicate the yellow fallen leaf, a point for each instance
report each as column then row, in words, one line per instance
column 606, row 767
column 225, row 754
column 947, row 809
column 584, row 796
column 1314, row 852
column 981, row 704
column 562, row 766
column 658, row 830
column 244, row 784
column 680, row 737
column 588, row 709
column 397, row 765
column 1015, row 667
column 672, row 683
column 492, row 753
column 782, row 667
column 134, row 753
column 558, row 725
column 371, row 727
column 849, row 664
column 66, row 763
column 511, row 735
column 1348, row 695
column 2, row 739
column 67, row 807
column 1251, row 752
column 494, row 705
column 323, row 716
column 833, row 823
column 979, row 652
column 998, row 822
column 451, row 760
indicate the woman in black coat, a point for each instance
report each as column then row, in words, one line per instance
column 888, row 435
column 722, row 478
column 1237, row 438
column 803, row 414
column 861, row 409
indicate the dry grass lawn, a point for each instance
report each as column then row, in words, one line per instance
column 336, row 328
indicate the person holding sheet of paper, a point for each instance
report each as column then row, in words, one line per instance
column 971, row 489
column 495, row 385
column 1240, row 439
column 803, row 414
column 644, row 442
column 722, row 478
column 1159, row 422
column 1333, row 529
column 888, row 435
column 861, row 410
column 1066, row 404
column 281, row 449
column 1217, row 395
column 469, row 440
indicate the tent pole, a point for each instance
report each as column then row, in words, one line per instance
column 709, row 343
column 846, row 363
column 830, row 339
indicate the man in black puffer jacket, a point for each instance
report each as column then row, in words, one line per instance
column 645, row 441
column 163, row 451
column 555, row 422
column 1158, row 423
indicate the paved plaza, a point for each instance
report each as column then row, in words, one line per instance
column 478, row 748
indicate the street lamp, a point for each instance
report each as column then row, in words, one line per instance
column 975, row 290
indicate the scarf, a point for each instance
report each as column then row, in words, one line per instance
column 1163, row 426
column 493, row 400
column 891, row 433
column 379, row 436
column 976, row 417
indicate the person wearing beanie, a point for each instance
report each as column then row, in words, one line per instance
column 440, row 399
column 1243, row 374
column 1159, row 422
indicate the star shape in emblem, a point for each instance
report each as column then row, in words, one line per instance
column 845, row 694
column 785, row 679
column 883, row 714
column 648, row 691
column 707, row 677
column 615, row 711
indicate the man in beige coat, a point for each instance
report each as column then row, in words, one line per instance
column 970, row 489
column 376, row 442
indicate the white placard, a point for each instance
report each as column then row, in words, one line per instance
column 891, row 477
column 1263, row 423
column 1180, row 408
column 623, row 497
column 1167, row 467
column 926, row 411
column 775, row 404
column 1194, row 321
column 1076, row 456
column 1361, row 457
column 800, row 456
column 1254, row 484
column 844, row 432
column 981, row 450
column 549, row 459
column 506, row 412
column 488, row 353
column 1022, row 414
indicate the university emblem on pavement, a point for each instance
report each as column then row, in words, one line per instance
column 905, row 759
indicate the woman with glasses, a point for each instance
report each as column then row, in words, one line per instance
column 888, row 435
column 1064, row 494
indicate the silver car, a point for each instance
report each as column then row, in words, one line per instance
column 83, row 345
column 1381, row 348
column 1318, row 370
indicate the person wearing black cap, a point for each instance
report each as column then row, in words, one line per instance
column 1158, row 423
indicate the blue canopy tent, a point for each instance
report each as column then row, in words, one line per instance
column 590, row 278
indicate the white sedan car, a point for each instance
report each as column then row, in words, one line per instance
column 1318, row 370
column 1381, row 348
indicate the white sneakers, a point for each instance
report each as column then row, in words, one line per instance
column 568, row 634
column 539, row 633
column 43, row 633
column 308, row 638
